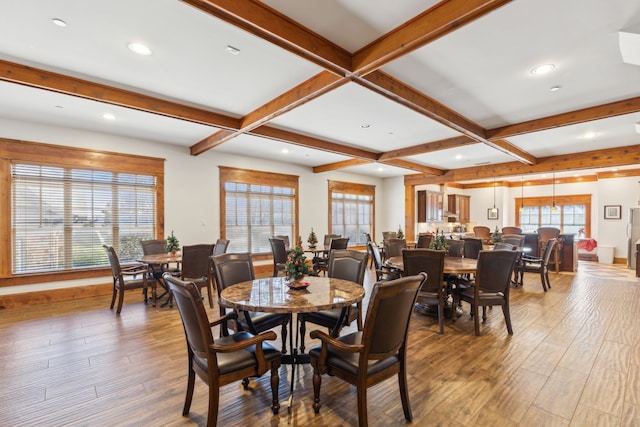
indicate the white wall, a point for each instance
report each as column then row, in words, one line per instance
column 610, row 191
column 192, row 186
column 391, row 207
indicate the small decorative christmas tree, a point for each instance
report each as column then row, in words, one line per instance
column 296, row 266
column 400, row 233
column 439, row 242
column 312, row 239
column 496, row 236
column 173, row 244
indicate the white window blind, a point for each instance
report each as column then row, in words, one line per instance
column 256, row 212
column 568, row 218
column 352, row 207
column 61, row 216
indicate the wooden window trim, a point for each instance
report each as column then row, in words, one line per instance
column 13, row 151
column 577, row 199
column 249, row 176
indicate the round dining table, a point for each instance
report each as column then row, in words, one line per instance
column 452, row 265
column 272, row 294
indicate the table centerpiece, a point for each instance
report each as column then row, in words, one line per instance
column 296, row 268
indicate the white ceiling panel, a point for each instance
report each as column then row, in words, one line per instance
column 356, row 116
column 472, row 78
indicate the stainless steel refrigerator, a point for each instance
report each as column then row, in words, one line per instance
column 633, row 234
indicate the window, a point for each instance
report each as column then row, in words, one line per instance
column 352, row 207
column 256, row 206
column 61, row 204
column 61, row 217
column 572, row 214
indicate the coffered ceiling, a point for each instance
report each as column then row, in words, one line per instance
column 435, row 91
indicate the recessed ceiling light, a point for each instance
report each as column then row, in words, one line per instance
column 365, row 125
column 542, row 69
column 555, row 88
column 380, row 169
column 638, row 127
column 590, row 135
column 285, row 151
column 59, row 106
column 59, row 22
column 458, row 156
column 615, row 169
column 108, row 116
column 139, row 48
column 233, row 50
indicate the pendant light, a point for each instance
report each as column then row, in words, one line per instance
column 494, row 209
column 553, row 197
column 521, row 194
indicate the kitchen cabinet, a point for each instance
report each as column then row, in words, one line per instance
column 429, row 204
column 459, row 204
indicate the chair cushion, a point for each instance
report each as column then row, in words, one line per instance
column 261, row 320
column 348, row 362
column 485, row 298
column 230, row 362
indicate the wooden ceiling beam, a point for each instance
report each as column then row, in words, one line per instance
column 612, row 109
column 611, row 157
column 428, row 147
column 268, row 24
column 312, row 88
column 340, row 165
column 311, row 142
column 403, row 94
column 441, row 19
column 54, row 82
column 414, row 167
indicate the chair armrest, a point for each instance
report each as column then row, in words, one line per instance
column 255, row 340
column 328, row 339
column 224, row 319
column 133, row 269
column 526, row 258
column 240, row 345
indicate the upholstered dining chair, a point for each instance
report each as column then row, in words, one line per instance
column 343, row 264
column 157, row 246
column 386, row 235
column 222, row 361
column 471, row 247
column 195, row 267
column 367, row 239
column 503, row 246
column 233, row 268
column 511, row 230
column 455, row 247
column 279, row 253
column 433, row 291
column 126, row 277
column 285, row 238
column 383, row 272
column 482, row 232
column 538, row 265
column 378, row 352
column 491, row 285
column 424, row 240
column 516, row 240
column 393, row 247
column 220, row 247
column 336, row 243
column 545, row 234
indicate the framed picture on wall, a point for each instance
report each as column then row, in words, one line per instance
column 493, row 213
column 612, row 211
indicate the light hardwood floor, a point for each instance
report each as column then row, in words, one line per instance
column 574, row 359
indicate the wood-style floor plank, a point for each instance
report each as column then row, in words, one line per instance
column 574, row 359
